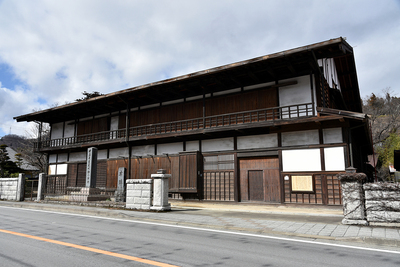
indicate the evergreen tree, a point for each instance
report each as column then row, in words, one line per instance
column 7, row 167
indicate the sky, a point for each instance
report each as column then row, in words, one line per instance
column 52, row 51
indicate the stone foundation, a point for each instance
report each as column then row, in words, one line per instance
column 87, row 194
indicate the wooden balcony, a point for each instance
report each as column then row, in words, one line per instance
column 218, row 122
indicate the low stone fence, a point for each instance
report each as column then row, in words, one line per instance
column 368, row 203
column 148, row 194
column 12, row 188
column 382, row 202
column 139, row 193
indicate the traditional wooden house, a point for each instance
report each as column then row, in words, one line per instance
column 276, row 128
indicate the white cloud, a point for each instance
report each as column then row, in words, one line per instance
column 59, row 49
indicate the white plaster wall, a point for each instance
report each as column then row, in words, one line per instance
column 57, row 130
column 102, row 154
column 116, row 153
column 63, row 157
column 142, row 150
column 192, row 146
column 52, row 169
column 170, row 148
column 69, row 130
column 310, row 137
column 62, row 169
column 221, row 144
column 296, row 94
column 334, row 159
column 77, row 156
column 52, row 158
column 332, row 135
column 299, row 93
column 301, row 160
column 257, row 141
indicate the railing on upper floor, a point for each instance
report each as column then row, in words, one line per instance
column 223, row 120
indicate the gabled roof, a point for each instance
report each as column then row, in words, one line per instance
column 287, row 64
column 25, row 165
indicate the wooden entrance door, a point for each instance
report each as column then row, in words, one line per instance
column 256, row 185
column 259, row 179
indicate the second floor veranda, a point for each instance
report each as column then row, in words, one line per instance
column 223, row 122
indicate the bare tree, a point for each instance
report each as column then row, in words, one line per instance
column 32, row 157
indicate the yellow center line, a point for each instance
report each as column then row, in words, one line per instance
column 105, row 252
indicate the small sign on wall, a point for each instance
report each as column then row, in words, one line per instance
column 303, row 183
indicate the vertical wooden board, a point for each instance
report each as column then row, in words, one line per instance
column 244, row 193
column 287, row 190
column 72, row 174
column 232, row 186
column 273, row 185
column 212, row 186
column 174, row 172
column 188, row 171
column 182, row 171
column 122, row 121
column 101, row 180
column 205, row 186
column 135, row 163
column 80, row 128
column 112, row 172
column 81, row 177
column 193, row 171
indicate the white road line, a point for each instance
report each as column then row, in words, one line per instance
column 213, row 230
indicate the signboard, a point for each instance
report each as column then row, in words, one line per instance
column 302, row 183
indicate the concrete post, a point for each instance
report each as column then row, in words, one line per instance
column 353, row 197
column 41, row 186
column 160, row 191
column 91, row 167
column 20, row 187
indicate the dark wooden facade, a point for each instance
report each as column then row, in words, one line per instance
column 224, row 134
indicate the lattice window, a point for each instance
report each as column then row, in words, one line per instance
column 220, row 162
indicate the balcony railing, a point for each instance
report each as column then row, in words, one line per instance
column 224, row 120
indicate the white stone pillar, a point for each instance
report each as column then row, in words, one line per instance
column 160, row 191
column 353, row 197
column 21, row 187
column 41, row 186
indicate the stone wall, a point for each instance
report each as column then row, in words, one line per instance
column 12, row 188
column 368, row 203
column 382, row 202
column 139, row 194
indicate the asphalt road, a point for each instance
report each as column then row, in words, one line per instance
column 38, row 238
